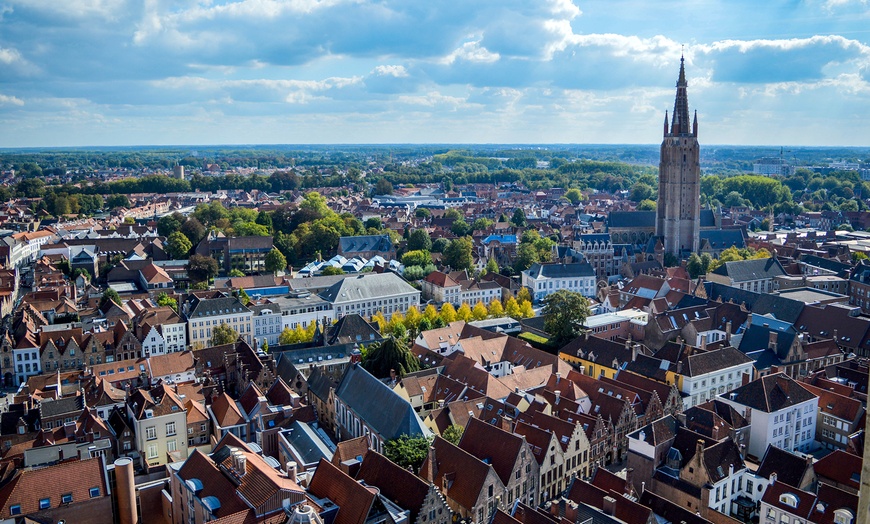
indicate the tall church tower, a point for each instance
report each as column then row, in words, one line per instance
column 678, row 215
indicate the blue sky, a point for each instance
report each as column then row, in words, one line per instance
column 128, row 72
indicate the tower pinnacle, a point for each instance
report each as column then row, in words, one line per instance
column 680, row 126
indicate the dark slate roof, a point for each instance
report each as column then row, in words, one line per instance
column 378, row 405
column 762, row 303
column 840, row 268
column 668, row 510
column 217, row 306
column 350, row 329
column 52, row 408
column 789, row 468
column 306, row 443
column 703, row 363
column 595, row 237
column 757, row 336
column 580, row 269
column 637, row 219
column 745, row 270
column 658, row 431
column 708, row 219
column 258, row 243
column 723, row 238
column 771, row 393
column 319, row 383
column 380, row 243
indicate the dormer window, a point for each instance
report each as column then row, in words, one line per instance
column 842, row 516
column 789, row 499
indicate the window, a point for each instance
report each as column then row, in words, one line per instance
column 152, row 451
column 66, row 498
column 150, row 433
column 170, row 429
column 15, row 510
column 171, row 445
column 94, row 492
column 44, row 503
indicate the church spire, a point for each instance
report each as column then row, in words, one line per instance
column 680, row 123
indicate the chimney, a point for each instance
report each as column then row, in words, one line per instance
column 771, row 340
column 292, row 470
column 728, row 332
column 125, row 489
column 699, row 451
column 558, row 377
column 680, row 367
column 772, row 479
column 633, row 352
column 239, row 462
column 582, row 370
column 431, row 465
column 704, row 343
column 835, row 335
column 558, row 395
column 608, row 505
column 629, row 487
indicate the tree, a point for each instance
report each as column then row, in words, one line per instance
column 694, row 266
column 519, row 218
column 481, row 224
column 526, row 309
column 420, row 258
column 448, row 313
column 479, row 311
column 453, row 434
column 110, row 294
column 390, row 355
column 512, row 308
column 223, row 334
column 460, row 228
column 178, row 246
column 331, row 270
column 640, row 192
column 646, row 205
column 373, row 223
column 492, row 266
column 236, row 273
column 169, row 224
column 202, row 268
column 383, row 187
column 164, row 300
column 287, row 337
column 115, row 201
column 453, row 214
column 574, row 195
column 193, row 230
column 412, row 319
column 496, row 310
column 439, row 245
column 407, row 452
column 464, row 313
column 275, row 261
column 565, row 312
column 418, row 240
column 524, row 295
column 858, row 256
column 243, row 296
column 422, row 212
column 457, row 255
column 430, row 313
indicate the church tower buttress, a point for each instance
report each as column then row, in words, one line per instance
column 678, row 214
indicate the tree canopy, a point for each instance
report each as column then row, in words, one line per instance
column 565, row 312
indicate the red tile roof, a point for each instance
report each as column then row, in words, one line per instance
column 30, row 486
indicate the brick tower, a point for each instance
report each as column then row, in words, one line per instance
column 678, row 215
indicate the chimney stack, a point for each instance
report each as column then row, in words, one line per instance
column 609, row 505
column 292, row 470
column 771, row 340
column 728, row 332
column 125, row 490
column 558, row 395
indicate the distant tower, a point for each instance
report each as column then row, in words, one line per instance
column 678, row 215
column 178, row 171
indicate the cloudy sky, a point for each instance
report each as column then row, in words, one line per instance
column 129, row 72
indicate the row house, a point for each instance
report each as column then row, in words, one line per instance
column 837, row 417
column 751, row 275
column 160, row 331
column 205, row 314
column 546, row 279
column 786, row 504
column 597, row 249
column 159, row 420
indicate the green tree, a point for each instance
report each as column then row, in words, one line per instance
column 647, row 205
column 460, row 228
column 169, row 224
column 110, row 295
column 492, row 266
column 418, row 240
column 481, row 224
column 417, row 258
column 479, row 311
column 439, row 245
column 383, row 187
column 408, row 452
column 115, row 201
column 193, row 230
column 178, row 246
column 164, row 300
column 496, row 309
column 858, row 256
column 457, row 255
column 565, row 312
column 519, row 218
column 574, row 195
column 640, row 192
column 453, row 434
column 236, row 273
column 331, row 271
column 453, row 214
column 275, row 261
column 422, row 212
column 694, row 266
column 223, row 334
column 202, row 268
column 448, row 313
column 390, row 355
column 243, row 296
column 512, row 308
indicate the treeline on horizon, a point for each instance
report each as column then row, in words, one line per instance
column 805, row 190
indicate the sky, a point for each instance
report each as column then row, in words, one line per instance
column 154, row 72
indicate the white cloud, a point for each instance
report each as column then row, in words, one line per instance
column 9, row 56
column 10, row 100
column 397, row 71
